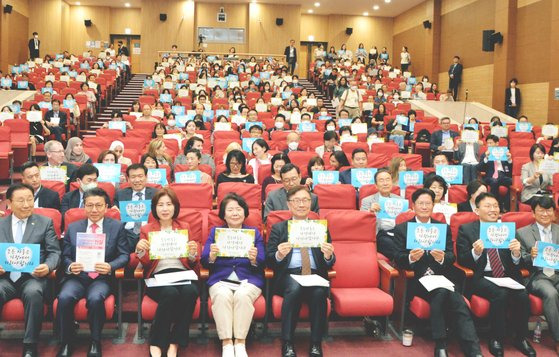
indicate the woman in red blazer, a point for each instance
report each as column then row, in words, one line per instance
column 175, row 304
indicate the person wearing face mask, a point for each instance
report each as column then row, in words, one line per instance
column 279, row 124
column 352, row 101
column 34, row 46
column 86, row 177
column 330, row 125
column 292, row 140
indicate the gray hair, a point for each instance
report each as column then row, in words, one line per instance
column 49, row 144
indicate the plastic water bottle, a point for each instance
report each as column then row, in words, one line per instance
column 538, row 332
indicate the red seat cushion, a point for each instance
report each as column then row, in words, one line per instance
column 80, row 311
column 362, row 302
column 259, row 308
column 536, row 305
column 149, row 306
column 422, row 309
column 277, row 301
column 13, row 311
column 480, row 306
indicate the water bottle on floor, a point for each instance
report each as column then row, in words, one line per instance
column 538, row 332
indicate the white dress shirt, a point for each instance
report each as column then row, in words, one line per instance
column 15, row 221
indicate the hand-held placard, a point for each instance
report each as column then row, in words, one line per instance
column 90, row 249
column 496, row 234
column 452, row 174
column 410, row 178
column 234, row 242
column 548, row 255
column 134, row 211
column 18, row 257
column 168, row 244
column 426, row 236
column 390, row 208
column 307, row 233
column 360, row 177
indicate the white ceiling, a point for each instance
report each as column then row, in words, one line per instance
column 327, row 7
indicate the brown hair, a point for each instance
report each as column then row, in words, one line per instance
column 165, row 191
column 293, row 191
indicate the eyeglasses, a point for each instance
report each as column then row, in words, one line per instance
column 57, row 151
column 234, row 163
column 98, row 206
column 298, row 201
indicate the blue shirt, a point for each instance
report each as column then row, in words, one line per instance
column 296, row 259
column 446, row 135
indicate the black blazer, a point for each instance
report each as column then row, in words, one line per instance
column 465, row 206
column 123, row 50
column 48, row 198
column 62, row 115
column 457, row 71
column 437, row 138
column 489, row 167
column 427, row 261
column 117, row 252
column 286, row 54
column 279, row 235
column 70, row 200
column 33, row 53
column 517, row 97
column 467, row 235
column 126, row 194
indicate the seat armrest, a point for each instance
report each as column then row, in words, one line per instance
column 525, row 273
column 52, row 275
column 468, row 273
column 331, row 274
column 409, row 274
column 119, row 273
column 204, row 273
column 139, row 273
column 268, row 273
column 387, row 273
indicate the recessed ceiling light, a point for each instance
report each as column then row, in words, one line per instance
column 78, row 3
column 310, row 11
column 317, row 4
column 387, row 1
column 365, row 13
column 376, row 7
column 127, row 4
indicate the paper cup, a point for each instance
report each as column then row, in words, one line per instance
column 407, row 338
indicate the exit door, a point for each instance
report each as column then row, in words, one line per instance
column 307, row 56
column 132, row 42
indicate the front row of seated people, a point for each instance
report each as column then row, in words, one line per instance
column 233, row 309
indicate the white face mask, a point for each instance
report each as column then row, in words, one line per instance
column 331, row 128
column 324, row 113
column 88, row 186
column 293, row 145
column 278, row 125
column 171, row 122
column 396, row 97
column 353, row 87
column 295, row 81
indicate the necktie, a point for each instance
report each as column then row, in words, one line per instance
column 82, row 206
column 18, row 237
column 496, row 172
column 495, row 262
column 549, row 272
column 305, row 262
column 93, row 275
column 138, row 225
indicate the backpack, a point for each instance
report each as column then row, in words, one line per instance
column 424, row 136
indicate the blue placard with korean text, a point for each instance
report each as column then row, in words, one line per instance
column 523, row 127
column 118, row 125
column 496, row 234
column 390, row 208
column 427, row 236
column 306, row 127
column 178, row 109
column 250, row 124
column 165, row 98
column 473, row 126
column 108, row 172
column 402, row 120
column 188, row 177
column 325, row 177
column 20, row 257
column 452, row 174
column 410, row 178
column 344, row 122
column 134, row 211
column 365, row 176
column 6, row 83
column 22, row 85
column 247, row 144
column 497, row 153
column 157, row 176
column 548, row 255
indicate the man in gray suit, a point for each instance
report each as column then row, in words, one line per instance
column 137, row 177
column 22, row 226
column 277, row 200
column 543, row 282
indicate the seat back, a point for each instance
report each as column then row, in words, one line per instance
column 457, row 194
column 461, row 218
column 56, row 186
column 338, row 196
column 75, row 214
column 108, row 187
column 521, row 219
column 279, row 216
column 301, row 158
column 53, row 214
column 351, row 226
column 371, row 189
column 250, row 192
column 192, row 195
column 356, row 265
column 254, row 219
column 406, row 216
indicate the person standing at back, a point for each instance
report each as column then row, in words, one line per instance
column 455, row 76
column 34, row 45
column 290, row 54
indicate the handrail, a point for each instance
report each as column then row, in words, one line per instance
column 196, row 53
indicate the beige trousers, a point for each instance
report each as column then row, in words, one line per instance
column 233, row 309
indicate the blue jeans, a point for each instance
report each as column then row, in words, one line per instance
column 398, row 139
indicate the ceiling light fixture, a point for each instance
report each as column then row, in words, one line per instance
column 317, row 4
column 387, row 1
column 365, row 13
column 376, row 7
column 78, row 3
column 310, row 11
column 127, row 4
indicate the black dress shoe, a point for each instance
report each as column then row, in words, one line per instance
column 94, row 349
column 29, row 350
column 64, row 351
column 441, row 352
column 315, row 350
column 525, row 347
column 496, row 348
column 288, row 350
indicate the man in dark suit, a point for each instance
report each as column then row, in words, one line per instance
column 55, row 158
column 497, row 173
column 44, row 197
column 443, row 140
column 358, row 161
column 497, row 263
column 22, row 226
column 122, row 49
column 277, row 200
column 290, row 54
column 455, row 76
column 95, row 285
column 56, row 120
column 34, row 45
column 543, row 282
column 435, row 262
column 137, row 177
column 286, row 260
column 86, row 177
column 512, row 99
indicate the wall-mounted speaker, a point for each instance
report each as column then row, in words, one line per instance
column 349, row 30
column 427, row 24
column 8, row 9
column 279, row 21
column 162, row 17
column 497, row 37
column 87, row 23
column 490, row 38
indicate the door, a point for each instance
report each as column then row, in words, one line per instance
column 302, row 62
column 132, row 42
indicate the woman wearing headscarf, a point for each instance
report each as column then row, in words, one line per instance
column 74, row 152
column 118, row 148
